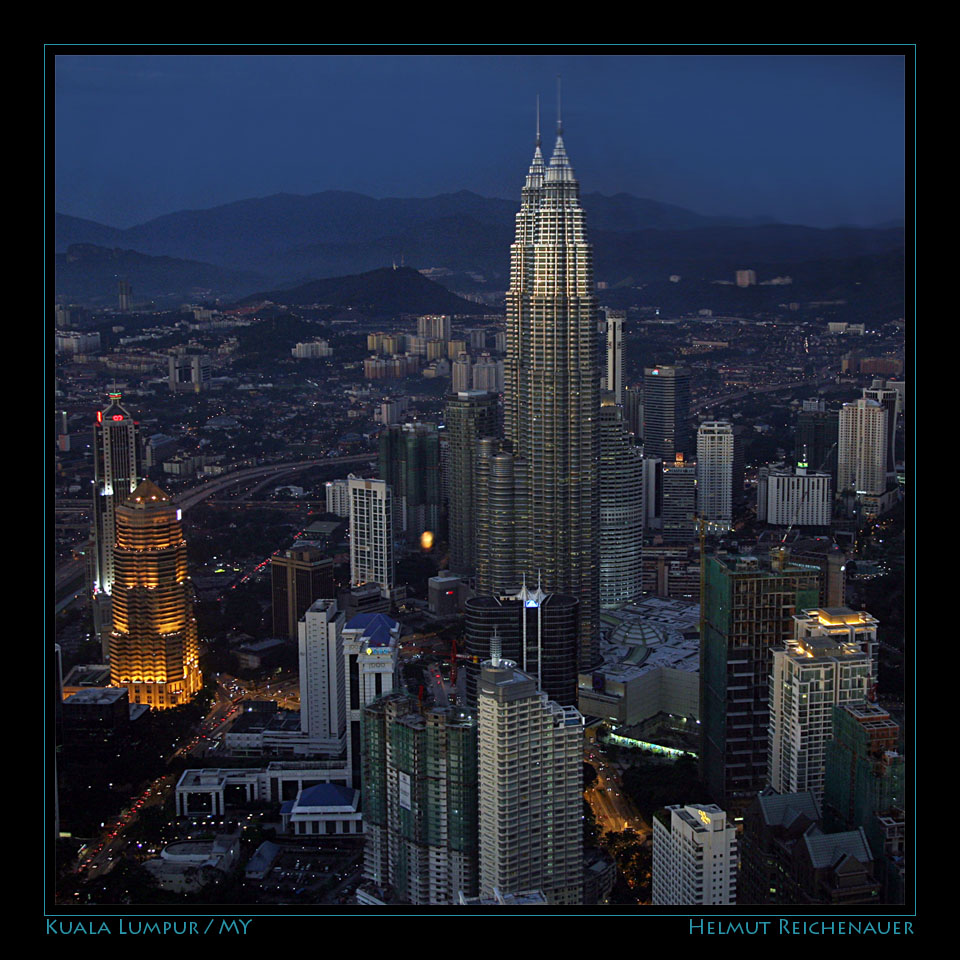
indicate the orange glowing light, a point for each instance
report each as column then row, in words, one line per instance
column 426, row 540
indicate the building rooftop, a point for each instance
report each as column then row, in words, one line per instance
column 99, row 695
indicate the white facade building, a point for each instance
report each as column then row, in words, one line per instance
column 531, row 788
column 694, row 856
column 830, row 662
column 715, row 472
column 322, row 688
column 371, row 534
column 313, row 350
column 370, row 654
column 862, row 448
column 798, row 497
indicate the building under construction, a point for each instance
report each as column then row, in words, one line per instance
column 420, row 800
column 748, row 607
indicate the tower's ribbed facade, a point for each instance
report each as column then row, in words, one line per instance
column 153, row 648
column 551, row 390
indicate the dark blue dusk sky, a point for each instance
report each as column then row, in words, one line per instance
column 816, row 139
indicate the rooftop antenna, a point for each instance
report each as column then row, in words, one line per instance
column 538, row 119
column 559, row 108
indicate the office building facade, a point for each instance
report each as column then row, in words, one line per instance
column 154, row 650
column 468, row 417
column 621, row 510
column 299, row 576
column 666, row 412
column 117, row 472
column 715, row 443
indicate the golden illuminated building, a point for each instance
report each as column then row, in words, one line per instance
column 154, row 650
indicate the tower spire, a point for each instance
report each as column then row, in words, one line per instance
column 538, row 119
column 559, row 109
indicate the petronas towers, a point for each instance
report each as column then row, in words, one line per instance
column 551, row 400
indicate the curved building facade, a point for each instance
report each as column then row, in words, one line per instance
column 154, row 650
column 621, row 511
column 538, row 631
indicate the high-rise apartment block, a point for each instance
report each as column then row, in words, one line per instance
column 891, row 398
column 371, row 534
column 322, row 677
column 299, row 576
column 117, row 471
column 694, row 856
column 434, row 328
column 666, row 410
column 468, row 417
column 794, row 496
column 420, row 800
column 621, row 510
column 816, row 671
column 338, row 496
column 154, row 650
column 678, row 503
column 748, row 609
column 862, row 453
column 715, row 444
column 531, row 788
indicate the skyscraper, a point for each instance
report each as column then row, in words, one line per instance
column 748, row 608
column 531, row 788
column 468, row 417
column 299, row 576
column 551, row 389
column 322, row 684
column 420, row 800
column 862, row 449
column 817, row 437
column 410, row 465
column 536, row 630
column 666, row 409
column 810, row 675
column 371, row 534
column 892, row 401
column 715, row 442
column 621, row 509
column 694, row 856
column 154, row 650
column 613, row 354
column 117, row 470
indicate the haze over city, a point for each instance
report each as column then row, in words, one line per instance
column 460, row 505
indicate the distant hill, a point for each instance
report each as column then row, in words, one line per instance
column 88, row 274
column 384, row 292
column 287, row 239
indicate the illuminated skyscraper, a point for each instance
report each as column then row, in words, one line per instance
column 371, row 534
column 551, row 391
column 117, row 470
column 154, row 650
